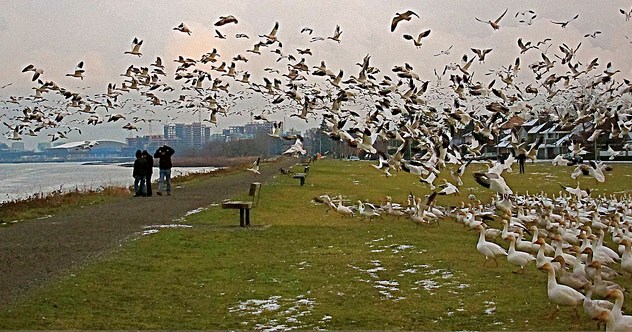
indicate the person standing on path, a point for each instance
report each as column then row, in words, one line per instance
column 150, row 170
column 164, row 154
column 140, row 174
column 522, row 158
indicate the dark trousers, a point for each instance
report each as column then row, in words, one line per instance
column 148, row 184
column 521, row 167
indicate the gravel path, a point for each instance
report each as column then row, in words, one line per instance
column 35, row 251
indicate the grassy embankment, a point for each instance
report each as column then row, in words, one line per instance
column 300, row 267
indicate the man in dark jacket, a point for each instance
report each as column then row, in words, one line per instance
column 164, row 154
column 140, row 174
column 149, row 170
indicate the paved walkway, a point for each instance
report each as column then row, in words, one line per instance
column 32, row 252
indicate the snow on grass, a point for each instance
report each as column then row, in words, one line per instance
column 194, row 211
column 276, row 313
column 153, row 229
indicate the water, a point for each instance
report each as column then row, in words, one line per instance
column 18, row 181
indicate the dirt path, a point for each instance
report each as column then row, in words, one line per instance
column 32, row 252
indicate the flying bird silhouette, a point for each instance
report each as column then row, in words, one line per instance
column 417, row 41
column 225, row 20
column 183, row 28
column 135, row 47
column 564, row 24
column 402, row 17
column 495, row 24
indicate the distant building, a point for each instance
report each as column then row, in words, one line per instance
column 17, row 146
column 41, row 146
column 247, row 131
column 194, row 135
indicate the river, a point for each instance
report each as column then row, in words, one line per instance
column 21, row 180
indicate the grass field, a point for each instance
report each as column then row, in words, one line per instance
column 300, row 267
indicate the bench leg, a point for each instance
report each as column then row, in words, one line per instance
column 247, row 217
column 302, row 181
column 241, row 218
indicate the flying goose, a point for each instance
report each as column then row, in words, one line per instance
column 481, row 53
column 225, row 20
column 135, row 47
column 417, row 41
column 564, row 24
column 494, row 182
column 78, row 73
column 255, row 167
column 36, row 71
column 337, row 33
column 628, row 14
column 495, row 24
column 406, row 16
column 272, row 35
column 183, row 28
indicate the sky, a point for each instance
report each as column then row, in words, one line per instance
column 57, row 35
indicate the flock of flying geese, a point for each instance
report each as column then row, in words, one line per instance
column 370, row 106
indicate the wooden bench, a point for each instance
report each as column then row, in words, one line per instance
column 245, row 206
column 301, row 176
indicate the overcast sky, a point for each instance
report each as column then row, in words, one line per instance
column 56, row 35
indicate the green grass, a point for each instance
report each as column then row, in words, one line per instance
column 40, row 205
column 310, row 268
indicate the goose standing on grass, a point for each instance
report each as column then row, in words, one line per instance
column 615, row 320
column 626, row 258
column 541, row 259
column 594, row 308
column 343, row 210
column 515, row 257
column 572, row 279
column 561, row 294
column 488, row 249
column 393, row 210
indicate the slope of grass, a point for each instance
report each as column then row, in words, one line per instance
column 301, row 267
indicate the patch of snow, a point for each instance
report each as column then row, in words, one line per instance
column 198, row 210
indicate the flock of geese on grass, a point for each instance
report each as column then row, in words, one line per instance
column 568, row 240
column 565, row 235
column 370, row 106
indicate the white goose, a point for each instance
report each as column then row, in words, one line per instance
column 561, row 294
column 519, row 258
column 626, row 258
column 594, row 308
column 571, row 279
column 602, row 287
column 615, row 320
column 367, row 210
column 343, row 210
column 506, row 233
column 489, row 249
